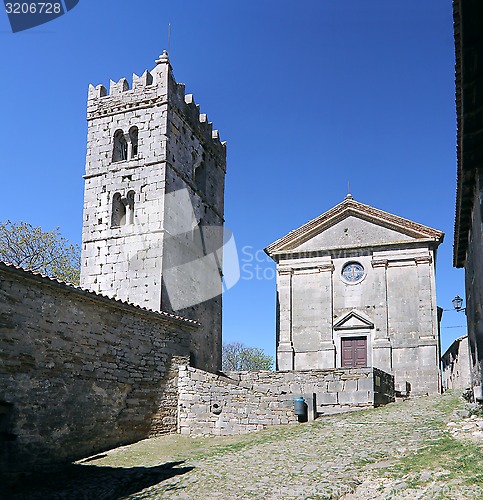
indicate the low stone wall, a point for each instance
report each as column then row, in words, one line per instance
column 80, row 373
column 239, row 402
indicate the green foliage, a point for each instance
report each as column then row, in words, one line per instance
column 238, row 357
column 46, row 252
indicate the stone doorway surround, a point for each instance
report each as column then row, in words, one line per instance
column 350, row 326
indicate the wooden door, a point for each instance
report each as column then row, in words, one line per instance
column 354, row 352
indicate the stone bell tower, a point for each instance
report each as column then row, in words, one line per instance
column 154, row 203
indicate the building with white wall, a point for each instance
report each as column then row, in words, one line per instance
column 356, row 288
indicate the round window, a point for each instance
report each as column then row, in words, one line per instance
column 353, row 272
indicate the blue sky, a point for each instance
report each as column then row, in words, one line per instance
column 308, row 95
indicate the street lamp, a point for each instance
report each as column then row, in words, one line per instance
column 458, row 303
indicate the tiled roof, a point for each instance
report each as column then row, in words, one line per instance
column 454, row 346
column 5, row 266
column 468, row 38
column 459, row 242
column 344, row 209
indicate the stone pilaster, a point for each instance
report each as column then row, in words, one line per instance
column 285, row 350
column 426, row 307
column 327, row 345
column 382, row 352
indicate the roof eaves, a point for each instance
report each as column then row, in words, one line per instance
column 37, row 276
column 352, row 207
column 411, row 243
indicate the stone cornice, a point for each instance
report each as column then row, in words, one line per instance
column 423, row 260
column 348, row 208
column 119, row 107
column 379, row 263
column 309, row 269
column 285, row 271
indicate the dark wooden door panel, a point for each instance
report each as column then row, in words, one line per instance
column 354, row 352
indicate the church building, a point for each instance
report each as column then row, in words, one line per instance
column 356, row 288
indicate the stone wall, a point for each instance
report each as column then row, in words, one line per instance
column 468, row 242
column 474, row 287
column 240, row 402
column 456, row 365
column 81, row 373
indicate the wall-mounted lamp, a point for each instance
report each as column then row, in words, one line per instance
column 458, row 304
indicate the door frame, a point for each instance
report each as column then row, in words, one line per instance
column 355, row 332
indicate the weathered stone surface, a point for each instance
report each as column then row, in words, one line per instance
column 247, row 401
column 456, row 365
column 468, row 234
column 153, row 208
column 79, row 373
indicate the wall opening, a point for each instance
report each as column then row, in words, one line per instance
column 133, row 136
column 5, row 421
column 119, row 152
column 200, row 177
column 118, row 217
column 122, row 209
column 130, row 207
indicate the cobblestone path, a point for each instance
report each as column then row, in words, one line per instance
column 361, row 455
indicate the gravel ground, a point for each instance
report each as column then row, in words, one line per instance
column 361, row 455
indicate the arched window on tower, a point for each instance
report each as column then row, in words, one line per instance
column 130, row 207
column 119, row 152
column 133, row 136
column 122, row 209
column 200, row 177
column 118, row 217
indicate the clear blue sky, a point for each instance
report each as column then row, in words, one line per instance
column 307, row 94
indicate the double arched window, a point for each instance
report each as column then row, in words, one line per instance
column 122, row 209
column 119, row 152
column 125, row 147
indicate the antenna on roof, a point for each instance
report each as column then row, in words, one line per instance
column 348, row 196
column 169, row 37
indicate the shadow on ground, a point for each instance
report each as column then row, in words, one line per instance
column 89, row 482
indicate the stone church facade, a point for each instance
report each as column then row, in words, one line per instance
column 356, row 288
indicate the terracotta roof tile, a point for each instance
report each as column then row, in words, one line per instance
column 39, row 276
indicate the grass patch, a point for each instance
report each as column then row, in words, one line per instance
column 461, row 462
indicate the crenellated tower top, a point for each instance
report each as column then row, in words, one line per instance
column 149, row 89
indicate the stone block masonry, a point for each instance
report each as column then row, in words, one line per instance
column 240, row 402
column 154, row 203
column 81, row 373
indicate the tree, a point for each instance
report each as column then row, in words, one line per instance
column 237, row 357
column 46, row 252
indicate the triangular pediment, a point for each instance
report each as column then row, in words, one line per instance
column 352, row 224
column 353, row 321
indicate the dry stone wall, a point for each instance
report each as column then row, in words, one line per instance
column 240, row 402
column 80, row 373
